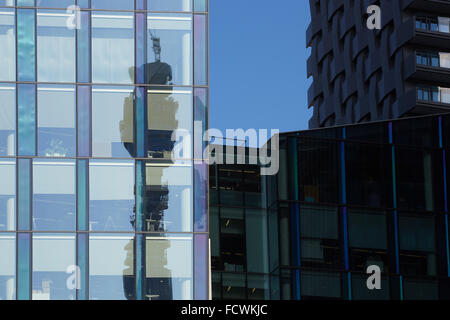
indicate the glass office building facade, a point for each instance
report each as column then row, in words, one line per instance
column 95, row 96
column 345, row 198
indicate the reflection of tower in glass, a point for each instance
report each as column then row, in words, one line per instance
column 160, row 124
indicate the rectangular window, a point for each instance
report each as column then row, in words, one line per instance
column 53, row 255
column 26, row 111
column 26, row 44
column 169, row 49
column 55, row 47
column 7, row 3
column 111, row 195
column 111, row 267
column 56, row 121
column 8, row 266
column 112, row 47
column 54, row 202
column 8, row 195
column 8, row 48
column 170, row 278
column 173, row 5
column 113, row 4
column 54, row 3
column 112, row 122
column 7, row 120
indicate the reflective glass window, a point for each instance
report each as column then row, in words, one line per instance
column 321, row 284
column 7, row 3
column 170, row 121
column 56, row 121
column 200, row 49
column 420, row 289
column 113, row 4
column 7, row 120
column 173, row 5
column 55, row 47
column 232, row 240
column 26, row 43
column 7, row 195
column 53, row 254
column 8, row 266
column 54, row 3
column 8, row 41
column 369, row 175
column 169, row 267
column 54, row 200
column 112, row 122
column 169, row 49
column 421, row 132
column 200, row 5
column 257, row 240
column 258, row 287
column 111, row 195
column 319, row 231
column 234, row 286
column 231, row 178
column 112, row 47
column 168, row 198
column 26, row 122
column 111, row 267
column 417, row 241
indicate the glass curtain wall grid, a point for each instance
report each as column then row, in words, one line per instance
column 344, row 198
column 95, row 96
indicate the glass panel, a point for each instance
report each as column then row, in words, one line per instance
column 83, row 195
column 360, row 291
column 82, row 262
column 234, row 287
column 112, row 47
column 8, row 266
column 200, row 49
column 368, row 132
column 318, row 171
column 258, row 287
column 7, row 195
column 54, row 200
column 7, row 120
column 200, row 5
column 169, row 274
column 111, row 267
column 200, row 121
column 231, row 185
column 417, row 240
column 8, row 41
column 84, row 121
column 24, row 195
column 169, row 49
column 26, row 111
column 56, row 121
column 84, row 48
column 320, row 284
column 55, row 47
column 111, row 195
column 112, row 122
column 168, row 198
column 201, row 196
column 113, row 4
column 320, row 245
column 23, row 266
column 170, row 120
column 369, row 173
column 232, row 240
column 26, row 45
column 444, row 24
column 444, row 94
column 53, row 254
column 173, row 5
column 257, row 240
column 54, row 3
column 25, row 2
column 418, row 289
column 7, row 3
column 201, row 257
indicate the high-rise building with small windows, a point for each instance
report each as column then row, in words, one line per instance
column 94, row 97
column 362, row 75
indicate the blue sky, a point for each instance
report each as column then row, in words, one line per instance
column 258, row 64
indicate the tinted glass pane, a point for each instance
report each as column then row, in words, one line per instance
column 417, row 241
column 377, row 132
column 53, row 254
column 169, row 49
column 113, row 4
column 8, row 266
column 369, row 175
column 55, row 47
column 200, row 5
column 23, row 266
column 234, row 286
column 420, row 289
column 169, row 115
column 112, row 47
column 54, row 202
column 232, row 240
column 7, row 39
column 317, row 171
column 24, row 194
column 84, row 47
column 111, row 195
column 201, row 267
column 318, row 284
column 112, row 122
column 84, row 120
column 168, row 198
column 54, row 3
column 230, row 184
column 8, row 3
column 417, row 132
column 173, row 5
column 56, row 121
column 26, row 122
column 7, row 120
column 7, row 195
column 446, row 131
column 200, row 49
column 360, row 291
column 111, row 267
column 201, row 197
column 169, row 268
column 419, row 180
column 26, row 45
column 257, row 240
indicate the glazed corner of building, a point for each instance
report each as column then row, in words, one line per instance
column 361, row 75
